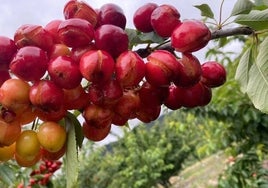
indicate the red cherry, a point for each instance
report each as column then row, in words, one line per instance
column 142, row 17
column 190, row 36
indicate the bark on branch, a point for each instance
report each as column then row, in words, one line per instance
column 231, row 32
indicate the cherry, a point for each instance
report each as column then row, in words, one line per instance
column 190, row 71
column 64, row 72
column 33, row 35
column 97, row 66
column 80, row 9
column 142, row 17
column 190, row 36
column 213, row 74
column 7, row 50
column 30, row 63
column 151, row 95
column 75, row 32
column 111, row 13
column 4, row 75
column 105, row 94
column 9, row 132
column 174, row 98
column 97, row 116
column 129, row 69
column 59, row 49
column 162, row 67
column 112, row 39
column 52, row 28
column 93, row 133
column 77, row 53
column 164, row 19
column 146, row 114
column 46, row 95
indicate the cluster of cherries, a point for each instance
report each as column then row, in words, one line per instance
column 83, row 63
column 42, row 175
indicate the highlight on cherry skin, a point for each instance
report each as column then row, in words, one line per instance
column 84, row 64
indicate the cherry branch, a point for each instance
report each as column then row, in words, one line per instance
column 242, row 30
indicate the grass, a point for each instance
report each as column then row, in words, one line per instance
column 203, row 174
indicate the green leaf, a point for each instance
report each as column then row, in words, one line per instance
column 150, row 37
column 205, row 10
column 256, row 19
column 242, row 71
column 71, row 156
column 257, row 88
column 7, row 175
column 79, row 136
column 242, row 7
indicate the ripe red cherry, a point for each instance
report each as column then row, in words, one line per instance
column 33, row 35
column 151, row 95
column 146, row 114
column 197, row 95
column 52, row 28
column 4, row 75
column 142, row 17
column 190, row 71
column 112, row 39
column 80, row 9
column 105, row 94
column 75, row 98
column 7, row 50
column 190, row 36
column 129, row 69
column 174, row 98
column 97, row 66
column 59, row 49
column 97, row 116
column 111, row 13
column 161, row 68
column 213, row 74
column 46, row 95
column 64, row 72
column 77, row 53
column 75, row 32
column 30, row 63
column 95, row 134
column 164, row 19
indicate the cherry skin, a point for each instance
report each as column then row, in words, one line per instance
column 64, row 72
column 111, row 39
column 7, row 152
column 51, row 136
column 213, row 74
column 4, row 75
column 174, row 98
column 27, row 145
column 97, row 116
column 129, row 69
column 14, row 95
column 95, row 134
column 80, row 9
column 97, row 66
column 162, row 67
column 8, row 49
column 9, row 132
column 33, row 35
column 75, row 32
column 190, row 36
column 46, row 95
column 30, row 63
column 164, row 19
column 52, row 28
column 111, row 13
column 142, row 17
column 190, row 71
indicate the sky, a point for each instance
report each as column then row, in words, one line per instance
column 14, row 13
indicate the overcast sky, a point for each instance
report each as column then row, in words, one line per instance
column 14, row 13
